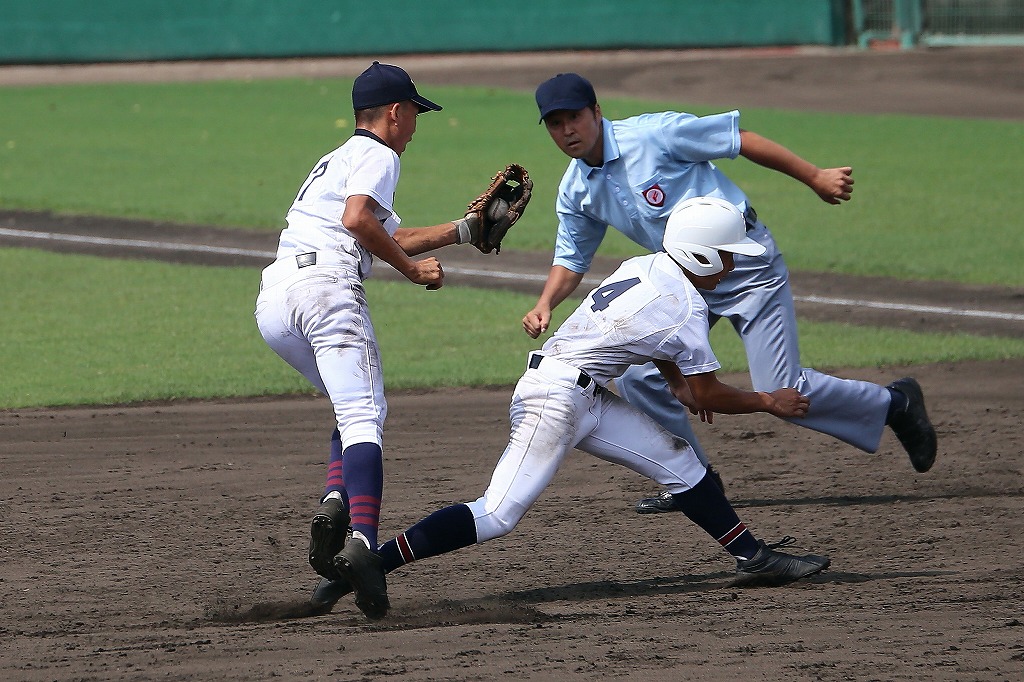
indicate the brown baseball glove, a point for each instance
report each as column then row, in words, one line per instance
column 499, row 207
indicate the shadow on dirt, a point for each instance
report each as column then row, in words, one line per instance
column 514, row 607
column 265, row 612
column 870, row 500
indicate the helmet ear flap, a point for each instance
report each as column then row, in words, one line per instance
column 700, row 260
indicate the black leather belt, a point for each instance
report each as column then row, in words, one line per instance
column 750, row 218
column 583, row 380
column 304, row 260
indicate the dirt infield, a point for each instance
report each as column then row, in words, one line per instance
column 167, row 542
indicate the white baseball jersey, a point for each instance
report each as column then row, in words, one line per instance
column 645, row 310
column 361, row 166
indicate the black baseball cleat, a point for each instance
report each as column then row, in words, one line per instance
column 328, row 592
column 769, row 568
column 912, row 426
column 362, row 569
column 327, row 535
column 665, row 503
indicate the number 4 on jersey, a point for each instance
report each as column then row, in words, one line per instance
column 604, row 296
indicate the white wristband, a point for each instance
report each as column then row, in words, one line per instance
column 463, row 234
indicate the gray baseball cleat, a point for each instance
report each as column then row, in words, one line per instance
column 327, row 535
column 328, row 592
column 362, row 569
column 664, row 503
column 912, row 426
column 769, row 568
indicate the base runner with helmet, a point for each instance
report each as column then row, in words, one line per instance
column 647, row 310
column 628, row 174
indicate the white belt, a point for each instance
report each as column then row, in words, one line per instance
column 283, row 268
column 560, row 371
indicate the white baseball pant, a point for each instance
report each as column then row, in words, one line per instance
column 551, row 413
column 316, row 318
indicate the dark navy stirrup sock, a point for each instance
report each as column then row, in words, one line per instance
column 363, row 467
column 706, row 505
column 335, row 479
column 446, row 530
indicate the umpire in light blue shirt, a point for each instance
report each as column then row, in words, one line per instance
column 629, row 175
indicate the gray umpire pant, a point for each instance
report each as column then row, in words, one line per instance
column 757, row 300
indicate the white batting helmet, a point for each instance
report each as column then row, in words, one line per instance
column 699, row 227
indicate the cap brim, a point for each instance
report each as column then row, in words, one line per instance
column 425, row 104
column 745, row 247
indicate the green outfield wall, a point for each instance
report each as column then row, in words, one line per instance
column 55, row 31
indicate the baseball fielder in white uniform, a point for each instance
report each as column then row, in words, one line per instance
column 312, row 311
column 649, row 309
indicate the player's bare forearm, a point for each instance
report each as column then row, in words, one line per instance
column 380, row 244
column 371, row 235
column 771, row 154
column 560, row 283
column 417, row 240
column 712, row 394
column 681, row 390
column 360, row 220
column 832, row 185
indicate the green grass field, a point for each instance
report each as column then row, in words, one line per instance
column 934, row 197
column 89, row 330
column 81, row 330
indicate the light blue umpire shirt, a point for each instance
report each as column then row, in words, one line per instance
column 651, row 163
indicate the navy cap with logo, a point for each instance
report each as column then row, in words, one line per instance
column 386, row 84
column 569, row 91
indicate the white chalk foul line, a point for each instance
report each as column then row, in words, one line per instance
column 493, row 274
column 134, row 243
column 912, row 308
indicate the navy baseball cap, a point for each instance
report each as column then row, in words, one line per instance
column 387, row 84
column 569, row 91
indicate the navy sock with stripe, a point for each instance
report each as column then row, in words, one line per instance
column 706, row 505
column 335, row 479
column 446, row 530
column 363, row 473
